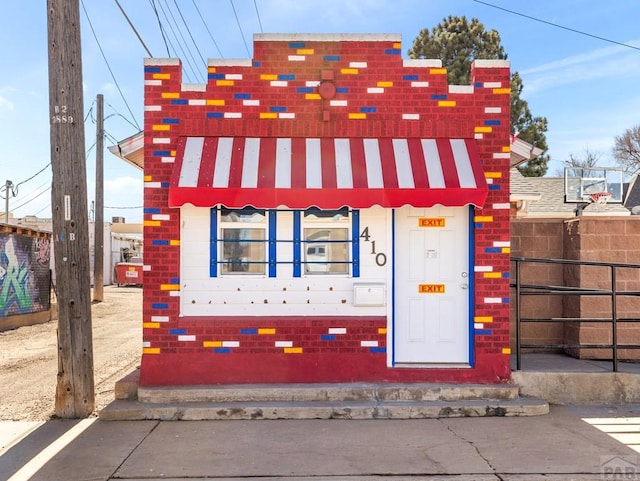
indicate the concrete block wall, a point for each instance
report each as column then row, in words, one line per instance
column 318, row 86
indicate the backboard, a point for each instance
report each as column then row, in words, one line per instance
column 581, row 182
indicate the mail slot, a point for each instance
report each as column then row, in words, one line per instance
column 368, row 295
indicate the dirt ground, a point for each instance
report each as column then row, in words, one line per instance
column 29, row 362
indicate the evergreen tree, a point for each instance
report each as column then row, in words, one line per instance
column 458, row 42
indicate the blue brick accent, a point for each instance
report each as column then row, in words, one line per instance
column 277, row 108
column 368, row 109
column 328, row 337
column 478, row 84
column 256, row 64
column 342, row 90
column 215, row 115
column 492, row 122
column 378, row 350
column 494, row 186
column 478, row 225
column 483, row 332
column 152, row 69
column 286, row 76
column 331, row 58
column 159, row 305
column 305, row 90
column 297, row 45
column 409, row 77
column 493, row 250
column 159, row 242
column 177, row 332
column 170, row 121
column 248, row 331
column 221, row 350
column 215, row 76
column 241, row 96
column 174, row 280
column 438, row 97
column 505, row 300
column 164, row 185
column 506, row 275
column 151, row 210
column 393, row 51
column 179, row 102
column 161, row 153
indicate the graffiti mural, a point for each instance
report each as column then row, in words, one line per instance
column 25, row 277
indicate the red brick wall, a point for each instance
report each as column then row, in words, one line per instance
column 270, row 96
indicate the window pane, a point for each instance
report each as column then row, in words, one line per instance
column 243, row 251
column 318, row 215
column 326, row 251
column 248, row 214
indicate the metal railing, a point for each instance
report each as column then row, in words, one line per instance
column 522, row 288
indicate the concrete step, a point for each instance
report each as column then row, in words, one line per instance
column 324, row 401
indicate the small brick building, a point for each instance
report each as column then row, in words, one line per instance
column 326, row 212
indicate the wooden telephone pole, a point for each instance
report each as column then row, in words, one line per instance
column 75, row 396
column 98, row 219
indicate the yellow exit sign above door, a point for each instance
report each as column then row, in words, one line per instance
column 431, row 222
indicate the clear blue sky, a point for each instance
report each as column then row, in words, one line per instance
column 588, row 88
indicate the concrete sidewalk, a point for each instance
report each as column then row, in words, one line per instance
column 559, row 446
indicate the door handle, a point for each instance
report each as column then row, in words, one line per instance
column 464, row 286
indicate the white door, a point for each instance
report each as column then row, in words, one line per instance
column 431, row 322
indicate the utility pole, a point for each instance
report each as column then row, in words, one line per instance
column 7, row 190
column 98, row 216
column 75, row 396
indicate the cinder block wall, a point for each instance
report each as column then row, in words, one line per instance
column 600, row 239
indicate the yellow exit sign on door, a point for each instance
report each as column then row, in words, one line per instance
column 431, row 222
column 431, row 288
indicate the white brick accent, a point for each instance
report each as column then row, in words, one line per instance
column 338, row 103
column 502, row 206
column 493, row 110
column 250, row 103
column 153, row 82
column 161, row 140
column 375, row 90
column 161, row 217
column 483, row 269
column 233, row 115
column 230, row 343
column 284, row 344
column 493, row 85
column 369, row 343
column 279, row 83
column 189, row 338
column 358, row 64
column 337, row 330
column 197, row 102
column 297, row 58
column 159, row 318
column 152, row 108
column 410, row 116
column 419, row 84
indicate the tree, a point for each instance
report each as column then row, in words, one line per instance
column 578, row 164
column 626, row 150
column 458, row 42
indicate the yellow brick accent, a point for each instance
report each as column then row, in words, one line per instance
column 169, row 287
column 506, row 149
column 212, row 344
column 217, row 102
column 502, row 91
column 268, row 76
column 506, row 350
column 357, row 116
column 384, row 84
column 293, row 350
column 225, row 83
column 397, row 45
column 493, row 175
column 150, row 325
column 483, row 319
column 211, row 70
column 506, row 250
column 147, row 178
column 382, row 330
column 492, row 275
column 162, row 127
column 349, row 71
column 173, row 153
column 266, row 330
column 150, row 350
column 268, row 115
column 446, row 103
column 170, row 95
column 483, row 218
column 175, row 242
column 161, row 76
column 484, row 129
column 438, row 71
column 151, row 223
column 312, row 96
column 305, row 51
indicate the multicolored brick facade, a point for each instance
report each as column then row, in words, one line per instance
column 320, row 86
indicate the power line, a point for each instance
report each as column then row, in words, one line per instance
column 207, row 28
column 133, row 28
column 16, row 207
column 185, row 49
column 558, row 26
column 33, row 176
column 258, row 14
column 107, row 63
column 240, row 27
column 190, row 34
column 155, row 10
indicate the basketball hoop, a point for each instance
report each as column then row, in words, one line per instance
column 599, row 199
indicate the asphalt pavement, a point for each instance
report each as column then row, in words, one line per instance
column 570, row 443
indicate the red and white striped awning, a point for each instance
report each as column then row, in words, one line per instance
column 328, row 173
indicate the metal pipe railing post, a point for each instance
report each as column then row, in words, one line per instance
column 614, row 319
